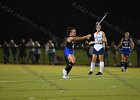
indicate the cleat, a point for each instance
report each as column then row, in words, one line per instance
column 90, row 73
column 68, row 76
column 123, row 70
column 99, row 73
column 65, row 76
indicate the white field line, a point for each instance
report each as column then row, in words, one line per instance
column 21, row 81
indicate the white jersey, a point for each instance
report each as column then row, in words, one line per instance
column 98, row 41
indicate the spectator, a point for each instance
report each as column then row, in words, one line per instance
column 114, row 53
column 138, row 52
column 50, row 50
column 22, row 51
column 14, row 51
column 31, row 45
column 63, row 43
column 88, row 49
column 106, row 54
column 55, row 42
column 6, row 52
column 37, row 51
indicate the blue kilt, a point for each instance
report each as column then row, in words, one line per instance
column 126, row 51
column 68, row 51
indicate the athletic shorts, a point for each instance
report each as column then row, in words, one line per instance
column 100, row 52
column 126, row 51
column 68, row 51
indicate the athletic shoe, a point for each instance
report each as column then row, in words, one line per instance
column 123, row 70
column 90, row 73
column 99, row 73
column 68, row 76
column 65, row 76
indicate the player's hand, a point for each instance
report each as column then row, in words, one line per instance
column 91, row 42
column 88, row 36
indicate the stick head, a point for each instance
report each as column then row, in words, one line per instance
column 98, row 25
column 105, row 13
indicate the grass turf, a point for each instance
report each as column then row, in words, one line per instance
column 44, row 82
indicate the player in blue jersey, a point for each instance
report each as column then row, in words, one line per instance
column 68, row 50
column 126, row 45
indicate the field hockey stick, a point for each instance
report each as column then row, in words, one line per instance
column 102, row 19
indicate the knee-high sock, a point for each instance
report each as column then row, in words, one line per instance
column 126, row 65
column 101, row 66
column 69, row 67
column 122, row 64
column 92, row 65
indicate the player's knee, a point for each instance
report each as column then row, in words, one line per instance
column 73, row 62
column 101, row 59
column 94, row 59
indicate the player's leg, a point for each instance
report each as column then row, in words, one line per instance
column 70, row 60
column 101, row 59
column 126, row 62
column 127, row 58
column 122, row 62
column 92, row 64
column 101, row 64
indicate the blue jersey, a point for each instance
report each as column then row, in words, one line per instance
column 125, row 49
column 126, row 43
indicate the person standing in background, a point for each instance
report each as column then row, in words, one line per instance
column 114, row 53
column 138, row 52
column 37, row 51
column 88, row 49
column 50, row 50
column 31, row 45
column 14, row 51
column 22, row 51
column 106, row 55
column 6, row 52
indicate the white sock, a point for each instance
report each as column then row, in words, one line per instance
column 92, row 65
column 64, row 72
column 101, row 67
column 122, row 67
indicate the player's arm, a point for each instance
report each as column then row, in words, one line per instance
column 91, row 42
column 104, row 39
column 120, row 44
column 115, row 47
column 81, row 38
column 131, row 43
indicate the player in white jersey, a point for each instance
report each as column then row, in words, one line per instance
column 98, row 50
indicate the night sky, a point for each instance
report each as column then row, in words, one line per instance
column 57, row 15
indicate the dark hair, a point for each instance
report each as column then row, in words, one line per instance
column 69, row 30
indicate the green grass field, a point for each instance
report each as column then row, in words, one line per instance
column 44, row 82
